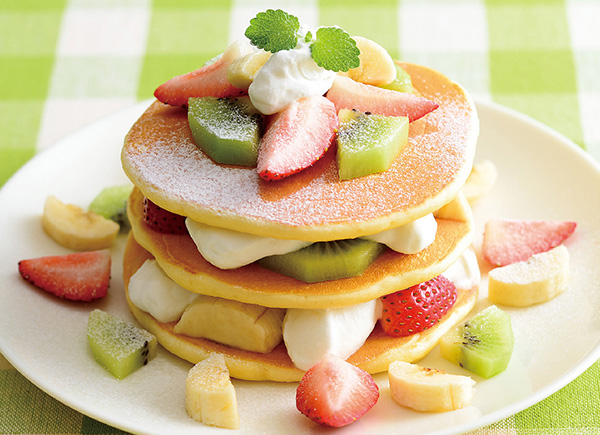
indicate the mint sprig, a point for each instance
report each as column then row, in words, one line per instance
column 273, row 30
column 334, row 49
column 331, row 48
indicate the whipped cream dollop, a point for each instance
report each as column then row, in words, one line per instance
column 152, row 291
column 228, row 249
column 310, row 335
column 287, row 76
column 464, row 272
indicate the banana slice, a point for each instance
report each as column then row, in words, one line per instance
column 243, row 326
column 530, row 282
column 426, row 389
column 76, row 228
column 376, row 65
column 480, row 181
column 209, row 394
column 242, row 71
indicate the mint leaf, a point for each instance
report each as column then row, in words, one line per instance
column 273, row 30
column 334, row 49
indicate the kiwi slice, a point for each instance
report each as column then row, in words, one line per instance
column 323, row 261
column 402, row 83
column 482, row 345
column 368, row 143
column 111, row 203
column 117, row 345
column 227, row 129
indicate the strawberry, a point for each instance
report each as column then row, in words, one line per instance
column 417, row 308
column 162, row 220
column 83, row 276
column 335, row 392
column 297, row 137
column 507, row 241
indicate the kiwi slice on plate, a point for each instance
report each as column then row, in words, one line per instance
column 226, row 129
column 323, row 261
column 111, row 203
column 117, row 345
column 482, row 345
column 368, row 143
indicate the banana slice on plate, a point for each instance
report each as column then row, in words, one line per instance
column 430, row 390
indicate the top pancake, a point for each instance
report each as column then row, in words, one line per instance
column 161, row 159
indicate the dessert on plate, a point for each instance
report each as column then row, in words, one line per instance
column 287, row 208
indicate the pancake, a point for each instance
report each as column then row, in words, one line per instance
column 374, row 356
column 179, row 258
column 161, row 159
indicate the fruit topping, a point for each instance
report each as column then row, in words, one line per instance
column 297, row 137
column 75, row 228
column 111, row 203
column 417, row 308
column 482, row 345
column 481, row 180
column 367, row 143
column 507, row 241
column 376, row 67
column 402, row 82
column 427, row 389
column 336, row 393
column 163, row 221
column 242, row 71
column 323, row 261
column 348, row 94
column 532, row 281
column 208, row 81
column 117, row 345
column 82, row 276
column 209, row 394
column 237, row 324
column 227, row 129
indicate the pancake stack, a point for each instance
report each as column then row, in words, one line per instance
column 165, row 165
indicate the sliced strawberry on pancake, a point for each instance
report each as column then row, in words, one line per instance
column 346, row 93
column 297, row 137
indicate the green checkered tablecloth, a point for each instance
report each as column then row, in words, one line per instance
column 65, row 64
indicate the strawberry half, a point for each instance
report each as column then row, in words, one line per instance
column 507, row 241
column 163, row 221
column 418, row 307
column 297, row 137
column 83, row 276
column 335, row 392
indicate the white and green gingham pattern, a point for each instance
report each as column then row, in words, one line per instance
column 65, row 64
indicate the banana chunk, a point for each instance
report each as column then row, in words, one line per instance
column 76, row 228
column 242, row 71
column 236, row 324
column 209, row 394
column 538, row 279
column 376, row 67
column 480, row 181
column 426, row 389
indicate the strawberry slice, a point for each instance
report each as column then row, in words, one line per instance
column 297, row 137
column 335, row 392
column 417, row 308
column 83, row 276
column 507, row 241
column 208, row 81
column 348, row 94
column 163, row 221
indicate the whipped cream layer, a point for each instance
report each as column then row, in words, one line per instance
column 309, row 334
column 229, row 249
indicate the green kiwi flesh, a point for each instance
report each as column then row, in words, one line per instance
column 111, row 203
column 483, row 345
column 227, row 129
column 402, row 83
column 324, row 261
column 368, row 143
column 117, row 345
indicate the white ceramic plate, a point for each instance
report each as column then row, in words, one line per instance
column 542, row 176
